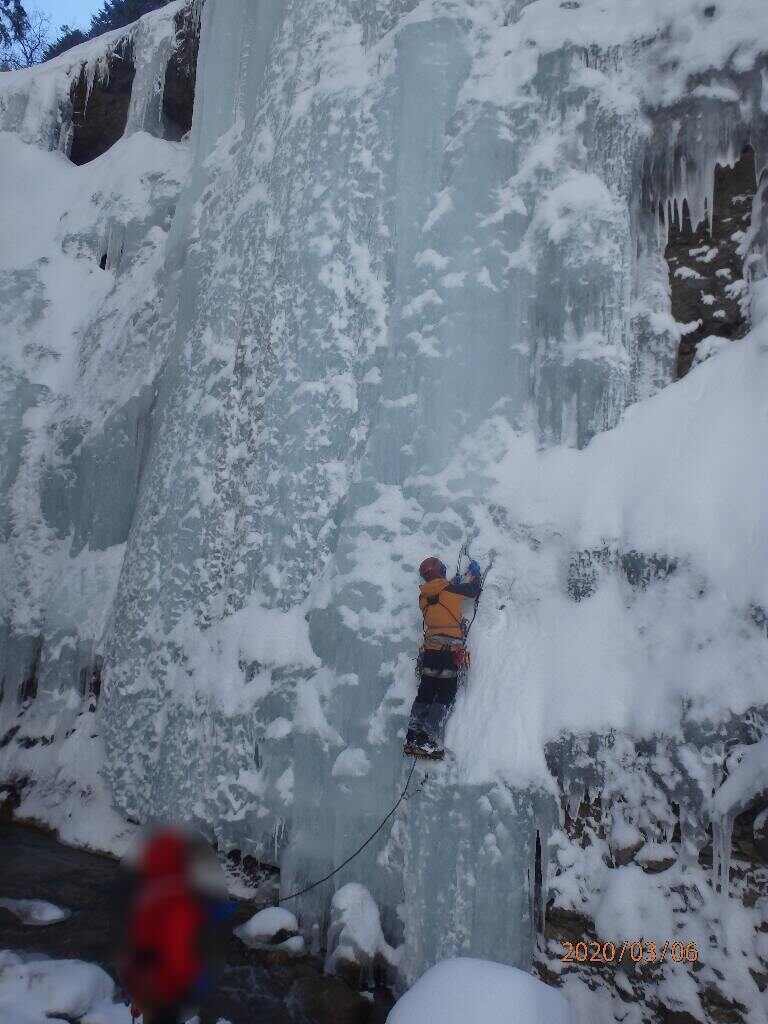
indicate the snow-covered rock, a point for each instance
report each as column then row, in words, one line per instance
column 274, row 925
column 625, row 840
column 747, row 779
column 457, row 991
column 35, row 912
column 53, row 987
column 356, row 947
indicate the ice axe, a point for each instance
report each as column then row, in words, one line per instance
column 483, row 578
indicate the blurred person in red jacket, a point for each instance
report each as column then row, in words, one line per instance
column 168, row 956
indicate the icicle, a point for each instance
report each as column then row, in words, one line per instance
column 104, row 66
column 544, row 837
column 66, row 136
column 726, row 837
column 532, row 865
column 115, row 245
column 90, row 75
column 722, row 835
column 575, row 798
column 196, row 13
column 160, row 88
column 277, row 837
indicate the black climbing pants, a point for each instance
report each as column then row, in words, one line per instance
column 438, row 682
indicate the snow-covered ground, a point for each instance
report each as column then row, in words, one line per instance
column 34, row 990
column 456, row 991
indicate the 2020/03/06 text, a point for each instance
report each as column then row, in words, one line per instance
column 637, row 951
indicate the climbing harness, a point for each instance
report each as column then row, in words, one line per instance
column 359, row 850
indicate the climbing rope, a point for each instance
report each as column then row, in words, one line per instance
column 359, row 850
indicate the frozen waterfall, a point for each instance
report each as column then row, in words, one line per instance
column 404, row 284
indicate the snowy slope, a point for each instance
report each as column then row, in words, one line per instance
column 404, row 284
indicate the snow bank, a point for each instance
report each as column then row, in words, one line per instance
column 461, row 990
column 35, row 912
column 265, row 925
column 53, row 987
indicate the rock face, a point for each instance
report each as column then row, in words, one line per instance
column 760, row 833
column 327, row 1001
column 706, row 263
column 101, row 103
column 100, row 108
column 657, row 948
column 181, row 76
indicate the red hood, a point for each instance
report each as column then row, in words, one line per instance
column 165, row 857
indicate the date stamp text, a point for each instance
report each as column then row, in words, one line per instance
column 639, row 951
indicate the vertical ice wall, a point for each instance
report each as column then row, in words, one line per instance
column 382, row 243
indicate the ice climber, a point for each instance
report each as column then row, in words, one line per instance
column 443, row 655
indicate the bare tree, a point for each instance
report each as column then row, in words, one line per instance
column 13, row 21
column 29, row 48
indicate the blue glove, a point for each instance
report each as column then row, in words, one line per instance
column 473, row 569
column 457, row 579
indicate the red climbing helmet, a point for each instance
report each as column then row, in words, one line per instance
column 432, row 569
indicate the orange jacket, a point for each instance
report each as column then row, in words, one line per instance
column 441, row 605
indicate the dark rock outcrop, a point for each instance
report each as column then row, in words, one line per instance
column 327, row 1001
column 99, row 120
column 181, row 77
column 706, row 265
